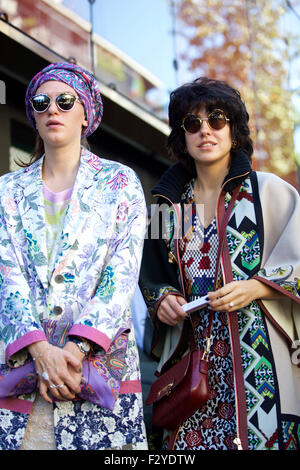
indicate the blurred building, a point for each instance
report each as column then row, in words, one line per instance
column 34, row 33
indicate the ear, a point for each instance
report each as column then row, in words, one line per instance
column 84, row 124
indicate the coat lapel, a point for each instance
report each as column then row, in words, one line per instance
column 32, row 213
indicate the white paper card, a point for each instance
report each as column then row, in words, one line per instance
column 196, row 304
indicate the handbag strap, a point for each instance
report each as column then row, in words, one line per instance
column 240, row 395
column 222, row 236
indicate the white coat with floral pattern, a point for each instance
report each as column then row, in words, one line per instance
column 83, row 289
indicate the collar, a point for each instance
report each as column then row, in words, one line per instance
column 173, row 181
column 90, row 166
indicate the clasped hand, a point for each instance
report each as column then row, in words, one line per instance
column 59, row 370
column 233, row 296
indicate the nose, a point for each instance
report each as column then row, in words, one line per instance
column 205, row 129
column 53, row 109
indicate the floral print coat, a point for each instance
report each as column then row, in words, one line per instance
column 83, row 289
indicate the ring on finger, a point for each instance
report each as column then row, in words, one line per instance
column 231, row 304
column 45, row 376
column 56, row 386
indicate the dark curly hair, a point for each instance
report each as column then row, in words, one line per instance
column 212, row 94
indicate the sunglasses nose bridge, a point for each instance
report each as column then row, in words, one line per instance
column 204, row 125
column 53, row 108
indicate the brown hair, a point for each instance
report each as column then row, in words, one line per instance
column 211, row 94
column 39, row 151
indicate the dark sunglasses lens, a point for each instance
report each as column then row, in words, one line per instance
column 65, row 101
column 217, row 120
column 40, row 103
column 191, row 124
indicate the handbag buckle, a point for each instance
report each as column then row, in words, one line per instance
column 172, row 257
column 165, row 390
column 207, row 348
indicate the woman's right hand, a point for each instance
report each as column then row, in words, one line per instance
column 170, row 311
column 62, row 367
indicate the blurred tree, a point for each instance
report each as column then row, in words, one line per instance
column 241, row 42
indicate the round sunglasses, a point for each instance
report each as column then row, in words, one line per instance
column 216, row 120
column 64, row 102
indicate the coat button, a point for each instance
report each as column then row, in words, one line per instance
column 57, row 310
column 59, row 278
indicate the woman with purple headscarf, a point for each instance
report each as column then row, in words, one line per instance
column 71, row 236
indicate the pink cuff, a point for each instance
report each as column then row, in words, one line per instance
column 130, row 386
column 24, row 341
column 16, row 404
column 91, row 334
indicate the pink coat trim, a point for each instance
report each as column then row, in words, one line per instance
column 24, row 341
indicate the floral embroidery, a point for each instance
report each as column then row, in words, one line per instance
column 106, row 287
column 84, row 427
column 225, row 411
column 95, row 162
column 122, row 213
column 193, row 438
column 32, row 243
column 119, row 181
column 68, row 277
column 12, row 428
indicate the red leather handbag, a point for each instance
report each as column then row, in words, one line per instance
column 180, row 391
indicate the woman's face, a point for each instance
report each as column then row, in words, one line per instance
column 59, row 128
column 209, row 146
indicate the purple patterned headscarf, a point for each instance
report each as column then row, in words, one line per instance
column 81, row 81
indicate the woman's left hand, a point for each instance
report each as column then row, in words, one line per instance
column 59, row 369
column 238, row 294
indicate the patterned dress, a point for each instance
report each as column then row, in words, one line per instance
column 213, row 426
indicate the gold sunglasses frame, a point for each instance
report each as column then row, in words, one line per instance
column 204, row 119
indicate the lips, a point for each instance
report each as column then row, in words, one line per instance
column 206, row 145
column 53, row 123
